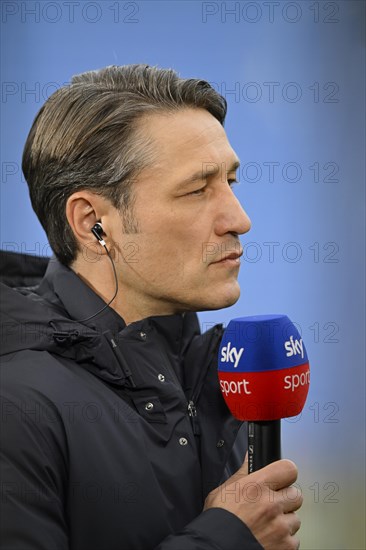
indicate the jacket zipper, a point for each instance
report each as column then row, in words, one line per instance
column 192, row 413
column 192, row 410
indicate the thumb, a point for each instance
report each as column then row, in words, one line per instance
column 244, row 469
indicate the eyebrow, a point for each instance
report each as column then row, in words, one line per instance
column 203, row 174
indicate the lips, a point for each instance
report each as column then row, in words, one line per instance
column 232, row 257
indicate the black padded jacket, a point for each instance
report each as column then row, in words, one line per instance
column 112, row 435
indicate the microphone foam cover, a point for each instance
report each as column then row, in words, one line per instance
column 263, row 368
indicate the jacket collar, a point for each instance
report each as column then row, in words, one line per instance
column 63, row 286
column 69, row 293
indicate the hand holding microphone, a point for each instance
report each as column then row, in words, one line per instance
column 265, row 502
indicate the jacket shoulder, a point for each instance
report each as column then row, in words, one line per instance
column 21, row 270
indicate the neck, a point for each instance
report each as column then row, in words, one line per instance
column 127, row 303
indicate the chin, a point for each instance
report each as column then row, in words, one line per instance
column 221, row 300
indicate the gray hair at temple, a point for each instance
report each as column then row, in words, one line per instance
column 87, row 136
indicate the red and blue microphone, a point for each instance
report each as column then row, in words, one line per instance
column 264, row 376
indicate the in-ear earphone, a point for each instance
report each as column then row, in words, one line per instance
column 97, row 231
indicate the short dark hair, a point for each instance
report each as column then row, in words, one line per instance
column 86, row 136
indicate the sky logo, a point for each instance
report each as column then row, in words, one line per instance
column 294, row 347
column 231, row 354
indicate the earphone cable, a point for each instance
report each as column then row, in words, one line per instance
column 114, row 295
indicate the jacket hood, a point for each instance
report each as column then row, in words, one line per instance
column 46, row 318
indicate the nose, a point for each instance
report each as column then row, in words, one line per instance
column 231, row 217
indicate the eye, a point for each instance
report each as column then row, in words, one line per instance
column 197, row 192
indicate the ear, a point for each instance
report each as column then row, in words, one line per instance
column 83, row 210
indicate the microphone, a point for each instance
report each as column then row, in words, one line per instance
column 264, row 376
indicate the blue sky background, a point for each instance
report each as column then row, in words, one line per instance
column 293, row 74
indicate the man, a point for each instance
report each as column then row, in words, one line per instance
column 117, row 436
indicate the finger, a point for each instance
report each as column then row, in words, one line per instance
column 277, row 475
column 244, row 468
column 294, row 523
column 291, row 499
column 245, row 465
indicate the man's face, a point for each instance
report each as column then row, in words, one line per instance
column 185, row 255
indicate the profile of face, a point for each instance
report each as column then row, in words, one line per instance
column 185, row 255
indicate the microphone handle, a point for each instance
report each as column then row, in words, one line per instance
column 264, row 443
